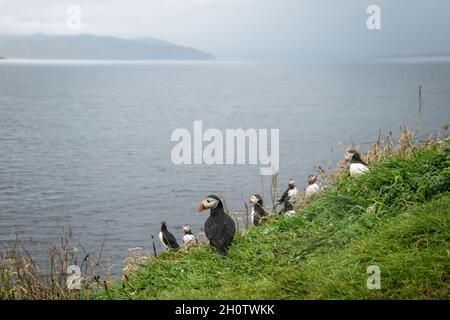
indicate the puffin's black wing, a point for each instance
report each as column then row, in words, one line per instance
column 220, row 231
column 170, row 240
column 284, row 196
column 261, row 211
column 228, row 234
column 229, row 227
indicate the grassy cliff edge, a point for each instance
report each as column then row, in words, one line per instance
column 395, row 217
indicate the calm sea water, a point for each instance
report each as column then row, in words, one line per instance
column 87, row 144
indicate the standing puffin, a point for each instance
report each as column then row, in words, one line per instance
column 312, row 189
column 258, row 214
column 189, row 239
column 357, row 165
column 167, row 239
column 219, row 227
column 289, row 198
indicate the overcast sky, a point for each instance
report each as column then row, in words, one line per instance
column 249, row 29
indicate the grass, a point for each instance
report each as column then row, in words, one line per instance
column 23, row 277
column 396, row 217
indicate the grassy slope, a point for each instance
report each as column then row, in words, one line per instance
column 396, row 217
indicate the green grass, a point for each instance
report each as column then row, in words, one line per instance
column 396, row 217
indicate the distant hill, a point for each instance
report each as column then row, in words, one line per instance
column 41, row 46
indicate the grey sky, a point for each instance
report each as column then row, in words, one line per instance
column 249, row 29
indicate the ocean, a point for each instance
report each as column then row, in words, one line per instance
column 87, row 144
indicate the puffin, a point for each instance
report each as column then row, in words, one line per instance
column 167, row 239
column 357, row 165
column 312, row 189
column 289, row 198
column 219, row 227
column 258, row 214
column 189, row 239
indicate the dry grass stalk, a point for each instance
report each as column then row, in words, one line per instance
column 22, row 278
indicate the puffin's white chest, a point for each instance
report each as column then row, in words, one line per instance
column 312, row 189
column 252, row 215
column 292, row 194
column 357, row 169
column 161, row 238
column 189, row 239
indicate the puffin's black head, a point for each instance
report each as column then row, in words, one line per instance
column 349, row 155
column 357, row 157
column 354, row 156
column 187, row 229
column 312, row 179
column 256, row 199
column 291, row 184
column 212, row 202
column 163, row 225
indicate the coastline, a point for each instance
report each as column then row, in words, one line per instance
column 291, row 257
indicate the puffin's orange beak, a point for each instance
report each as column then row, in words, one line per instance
column 200, row 207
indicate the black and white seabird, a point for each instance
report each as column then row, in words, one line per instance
column 289, row 198
column 167, row 239
column 357, row 165
column 313, row 189
column 189, row 239
column 219, row 227
column 258, row 213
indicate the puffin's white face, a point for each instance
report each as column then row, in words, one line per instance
column 291, row 184
column 348, row 156
column 187, row 228
column 253, row 199
column 207, row 203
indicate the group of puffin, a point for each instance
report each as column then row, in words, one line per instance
column 168, row 240
column 220, row 228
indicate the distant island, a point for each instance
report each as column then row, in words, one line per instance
column 84, row 47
